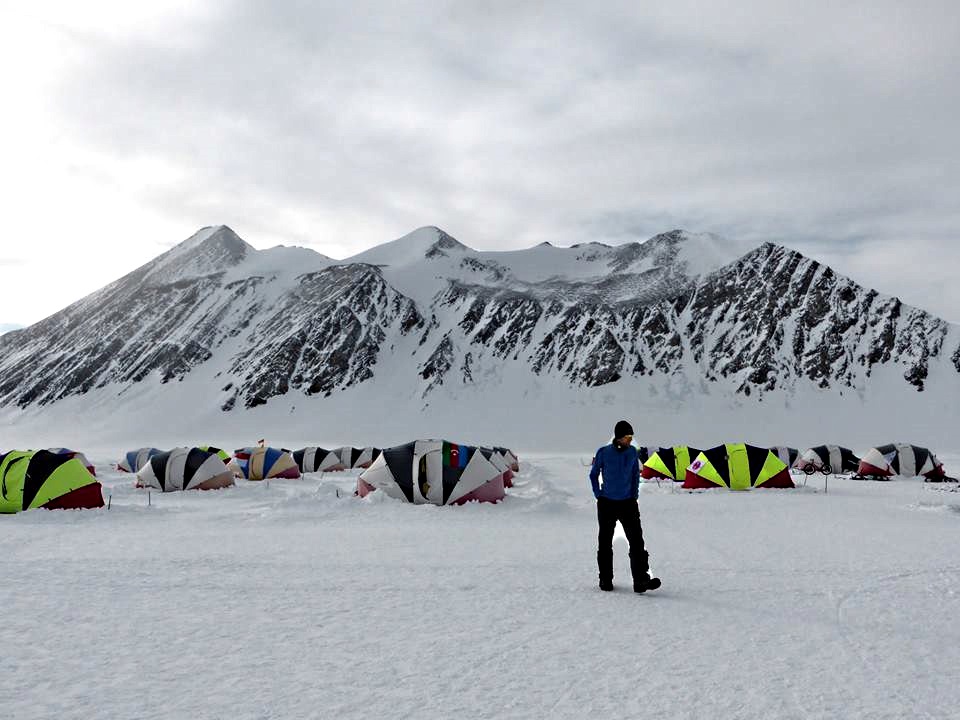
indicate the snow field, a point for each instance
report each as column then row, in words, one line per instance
column 294, row 599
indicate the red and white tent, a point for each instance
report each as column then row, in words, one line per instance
column 885, row 461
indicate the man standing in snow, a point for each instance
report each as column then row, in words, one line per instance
column 617, row 497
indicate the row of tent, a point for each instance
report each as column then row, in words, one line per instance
column 740, row 466
column 423, row 471
column 207, row 467
column 259, row 463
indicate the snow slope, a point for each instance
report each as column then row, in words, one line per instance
column 286, row 600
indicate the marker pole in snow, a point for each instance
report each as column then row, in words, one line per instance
column 149, row 501
column 109, row 500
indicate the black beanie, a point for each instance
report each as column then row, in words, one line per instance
column 622, row 428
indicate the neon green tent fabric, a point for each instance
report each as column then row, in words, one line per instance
column 33, row 479
column 737, row 466
column 670, row 463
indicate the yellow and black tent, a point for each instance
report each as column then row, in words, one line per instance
column 33, row 479
column 738, row 466
column 670, row 463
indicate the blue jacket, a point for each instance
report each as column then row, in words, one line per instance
column 621, row 473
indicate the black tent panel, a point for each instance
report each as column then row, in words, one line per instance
column 400, row 461
column 195, row 458
column 158, row 464
column 756, row 459
column 718, row 458
column 41, row 466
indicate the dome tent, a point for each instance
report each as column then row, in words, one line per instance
column 32, row 479
column 737, row 466
column 231, row 464
column 788, row 455
column 266, row 463
column 347, row 455
column 220, row 453
column 828, row 458
column 364, row 457
column 670, row 463
column 74, row 454
column 433, row 471
column 511, row 457
column 499, row 461
column 353, row 458
column 317, row 459
column 136, row 459
column 885, row 461
column 645, row 452
column 184, row 469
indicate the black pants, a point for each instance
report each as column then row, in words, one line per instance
column 609, row 512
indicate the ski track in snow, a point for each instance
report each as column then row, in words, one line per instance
column 296, row 599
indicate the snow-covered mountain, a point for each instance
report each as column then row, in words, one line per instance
column 424, row 329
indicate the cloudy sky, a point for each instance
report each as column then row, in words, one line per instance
column 830, row 127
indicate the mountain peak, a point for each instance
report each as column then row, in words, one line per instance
column 210, row 249
column 696, row 253
column 220, row 236
column 426, row 242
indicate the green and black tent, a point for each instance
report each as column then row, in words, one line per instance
column 738, row 466
column 33, row 479
column 669, row 463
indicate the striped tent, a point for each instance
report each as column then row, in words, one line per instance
column 231, row 464
column 347, row 455
column 135, row 459
column 788, row 455
column 511, row 457
column 353, row 458
column 433, row 471
column 669, row 463
column 184, row 468
column 828, row 458
column 499, row 461
column 645, row 452
column 219, row 452
column 885, row 461
column 266, row 463
column 34, row 479
column 317, row 459
column 510, row 464
column 74, row 454
column 365, row 458
column 737, row 466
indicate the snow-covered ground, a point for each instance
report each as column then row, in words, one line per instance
column 295, row 599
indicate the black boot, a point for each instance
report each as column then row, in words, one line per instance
column 605, row 565
column 640, row 569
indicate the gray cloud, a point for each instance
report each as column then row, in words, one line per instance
column 828, row 127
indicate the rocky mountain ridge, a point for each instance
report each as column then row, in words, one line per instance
column 681, row 313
